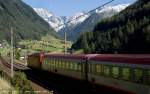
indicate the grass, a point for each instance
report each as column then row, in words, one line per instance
column 47, row 43
column 4, row 51
column 80, row 51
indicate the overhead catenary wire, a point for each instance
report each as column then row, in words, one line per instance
column 87, row 13
column 90, row 12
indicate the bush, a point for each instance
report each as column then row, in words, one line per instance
column 21, row 83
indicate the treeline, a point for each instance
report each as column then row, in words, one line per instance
column 126, row 32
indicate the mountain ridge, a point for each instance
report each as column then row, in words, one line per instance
column 73, row 32
column 58, row 23
column 25, row 22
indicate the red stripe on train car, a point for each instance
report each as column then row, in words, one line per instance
column 124, row 58
column 66, row 56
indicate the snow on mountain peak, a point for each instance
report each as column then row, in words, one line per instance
column 116, row 8
column 44, row 13
column 48, row 16
column 78, row 18
column 59, row 22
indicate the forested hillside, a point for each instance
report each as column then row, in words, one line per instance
column 24, row 20
column 126, row 32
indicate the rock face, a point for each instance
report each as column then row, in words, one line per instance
column 24, row 20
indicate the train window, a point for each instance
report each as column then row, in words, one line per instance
column 49, row 62
column 106, row 70
column 46, row 61
column 75, row 66
column 66, row 64
column 115, row 72
column 53, row 63
column 93, row 68
column 83, row 67
column 99, row 69
column 148, row 77
column 79, row 66
column 138, row 75
column 71, row 65
column 62, row 64
column 125, row 73
column 56, row 64
column 59, row 64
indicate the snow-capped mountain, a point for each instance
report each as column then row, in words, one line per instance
column 73, row 24
column 53, row 20
column 77, row 18
column 88, row 22
column 59, row 22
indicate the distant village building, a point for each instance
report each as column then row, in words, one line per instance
column 1, row 45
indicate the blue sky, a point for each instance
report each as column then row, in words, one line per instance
column 70, row 7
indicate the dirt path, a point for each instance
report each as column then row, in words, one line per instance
column 5, row 87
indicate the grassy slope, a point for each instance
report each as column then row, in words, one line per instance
column 47, row 43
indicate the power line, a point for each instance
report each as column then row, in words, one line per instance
column 87, row 13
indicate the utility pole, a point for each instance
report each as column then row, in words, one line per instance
column 12, row 54
column 65, row 46
column 25, row 57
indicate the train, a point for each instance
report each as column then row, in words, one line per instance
column 126, row 72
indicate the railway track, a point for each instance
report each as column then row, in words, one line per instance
column 17, row 66
column 65, row 85
column 5, row 66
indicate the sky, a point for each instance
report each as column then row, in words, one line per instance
column 70, row 7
